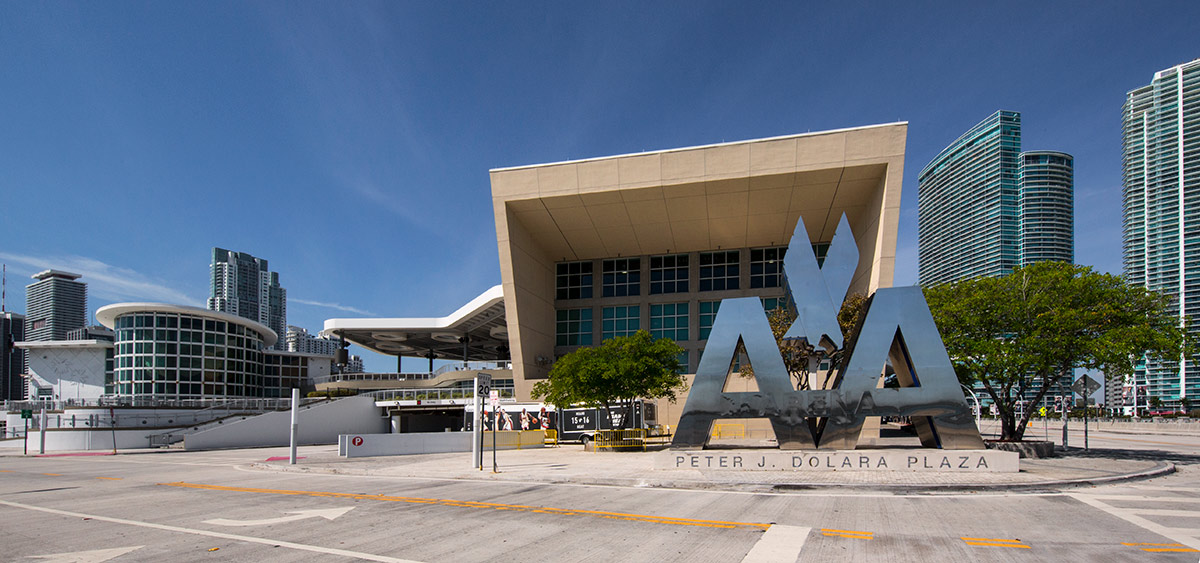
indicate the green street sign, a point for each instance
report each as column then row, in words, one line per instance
column 26, row 413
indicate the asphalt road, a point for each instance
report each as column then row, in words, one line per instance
column 207, row 506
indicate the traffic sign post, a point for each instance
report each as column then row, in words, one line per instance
column 483, row 387
column 1070, row 398
column 1085, row 386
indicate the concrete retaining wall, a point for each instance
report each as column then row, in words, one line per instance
column 321, row 423
column 67, row 439
column 365, row 445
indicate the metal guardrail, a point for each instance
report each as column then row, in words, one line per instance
column 153, row 402
column 431, row 394
column 631, row 439
column 416, row 376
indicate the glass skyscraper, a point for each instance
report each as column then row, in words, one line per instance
column 54, row 305
column 985, row 208
column 1161, row 141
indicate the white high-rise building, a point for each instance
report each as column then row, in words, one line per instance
column 1161, row 139
column 300, row 340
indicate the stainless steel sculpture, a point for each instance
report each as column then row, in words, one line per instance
column 818, row 292
column 898, row 331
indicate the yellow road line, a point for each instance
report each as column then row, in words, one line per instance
column 53, row 474
column 1161, row 547
column 994, row 542
column 6, row 471
column 489, row 505
column 847, row 534
column 110, row 478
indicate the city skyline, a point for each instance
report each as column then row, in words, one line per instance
column 368, row 132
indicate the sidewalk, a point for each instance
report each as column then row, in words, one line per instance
column 571, row 464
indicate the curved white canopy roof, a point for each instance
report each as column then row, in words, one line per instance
column 482, row 320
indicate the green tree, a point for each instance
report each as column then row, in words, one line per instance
column 616, row 373
column 1036, row 325
column 797, row 355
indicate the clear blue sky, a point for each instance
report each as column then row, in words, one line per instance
column 349, row 142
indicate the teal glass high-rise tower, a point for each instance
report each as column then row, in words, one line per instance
column 984, row 207
column 1161, row 141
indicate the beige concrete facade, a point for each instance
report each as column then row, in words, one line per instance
column 732, row 196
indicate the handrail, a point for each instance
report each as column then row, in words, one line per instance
column 414, row 376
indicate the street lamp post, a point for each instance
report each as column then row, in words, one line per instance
column 978, row 407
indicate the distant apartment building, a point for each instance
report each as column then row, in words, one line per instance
column 1161, row 142
column 299, row 339
column 985, row 208
column 354, row 364
column 91, row 332
column 12, row 360
column 54, row 305
column 243, row 285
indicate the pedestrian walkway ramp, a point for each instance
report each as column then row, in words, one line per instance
column 319, row 423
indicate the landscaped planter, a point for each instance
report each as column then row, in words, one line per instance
column 1033, row 449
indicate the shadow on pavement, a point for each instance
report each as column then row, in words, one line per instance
column 1146, row 455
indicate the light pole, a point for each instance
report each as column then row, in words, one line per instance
column 978, row 407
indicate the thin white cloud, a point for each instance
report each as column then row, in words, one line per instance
column 339, row 307
column 105, row 281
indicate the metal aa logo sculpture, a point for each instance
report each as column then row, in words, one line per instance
column 898, row 329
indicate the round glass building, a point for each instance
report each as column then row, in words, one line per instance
column 179, row 352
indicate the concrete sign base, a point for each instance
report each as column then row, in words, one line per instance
column 925, row 460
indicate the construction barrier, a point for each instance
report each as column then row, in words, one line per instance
column 729, row 431
column 550, row 438
column 631, row 439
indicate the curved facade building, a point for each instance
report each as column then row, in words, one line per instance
column 178, row 352
column 967, row 204
column 1047, row 211
column 985, row 208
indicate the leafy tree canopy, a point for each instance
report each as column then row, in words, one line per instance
column 1038, row 324
column 618, row 371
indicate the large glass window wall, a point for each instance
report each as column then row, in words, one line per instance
column 620, row 321
column 622, row 277
column 180, row 356
column 766, row 267
column 573, row 280
column 573, row 327
column 708, row 314
column 669, row 274
column 719, row 271
column 669, row 320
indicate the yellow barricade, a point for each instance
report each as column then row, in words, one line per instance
column 729, row 431
column 551, row 438
column 621, row 439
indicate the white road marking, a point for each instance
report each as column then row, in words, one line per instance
column 1140, row 498
column 778, row 544
column 326, row 513
column 1131, row 515
column 93, row 556
column 222, row 535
